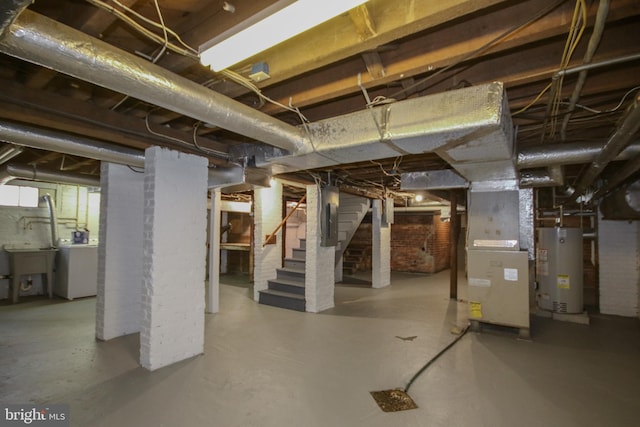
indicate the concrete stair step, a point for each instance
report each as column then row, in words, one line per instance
column 290, row 274
column 294, row 264
column 282, row 300
column 289, row 286
column 299, row 253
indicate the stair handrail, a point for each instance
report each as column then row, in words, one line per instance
column 273, row 233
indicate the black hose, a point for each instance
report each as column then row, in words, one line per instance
column 434, row 358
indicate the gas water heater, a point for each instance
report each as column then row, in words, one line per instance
column 559, row 270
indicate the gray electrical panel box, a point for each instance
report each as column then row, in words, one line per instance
column 329, row 203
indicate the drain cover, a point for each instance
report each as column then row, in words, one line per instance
column 393, row 400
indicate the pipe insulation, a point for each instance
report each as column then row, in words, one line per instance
column 33, row 173
column 571, row 153
column 43, row 41
column 44, row 139
column 620, row 140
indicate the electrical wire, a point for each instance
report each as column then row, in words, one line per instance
column 434, row 358
column 576, row 29
column 146, row 32
column 476, row 52
column 186, row 50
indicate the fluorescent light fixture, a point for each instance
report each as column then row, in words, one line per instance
column 295, row 18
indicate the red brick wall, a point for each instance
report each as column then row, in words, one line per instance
column 419, row 242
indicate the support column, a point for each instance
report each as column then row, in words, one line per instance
column 319, row 261
column 118, row 309
column 454, row 232
column 213, row 291
column 267, row 214
column 174, row 257
column 381, row 248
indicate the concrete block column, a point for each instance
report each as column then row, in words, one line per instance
column 320, row 261
column 118, row 309
column 175, row 215
column 619, row 255
column 267, row 214
column 213, row 292
column 381, row 248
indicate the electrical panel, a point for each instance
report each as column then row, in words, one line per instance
column 329, row 203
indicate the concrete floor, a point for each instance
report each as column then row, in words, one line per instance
column 265, row 366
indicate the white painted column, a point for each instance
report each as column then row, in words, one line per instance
column 174, row 257
column 118, row 309
column 319, row 261
column 213, row 292
column 381, row 248
column 267, row 214
column 619, row 256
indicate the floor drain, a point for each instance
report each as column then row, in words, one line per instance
column 393, row 400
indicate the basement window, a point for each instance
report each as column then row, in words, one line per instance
column 13, row 195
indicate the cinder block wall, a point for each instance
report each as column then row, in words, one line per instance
column 619, row 253
column 175, row 215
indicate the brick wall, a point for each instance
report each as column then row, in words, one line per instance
column 118, row 309
column 619, row 253
column 319, row 261
column 419, row 242
column 267, row 215
column 173, row 299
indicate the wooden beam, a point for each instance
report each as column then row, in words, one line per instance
column 361, row 18
column 440, row 48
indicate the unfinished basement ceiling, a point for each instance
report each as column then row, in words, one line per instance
column 384, row 51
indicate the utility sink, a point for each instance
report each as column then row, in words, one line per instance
column 27, row 261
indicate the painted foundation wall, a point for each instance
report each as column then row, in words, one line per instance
column 31, row 227
column 619, row 252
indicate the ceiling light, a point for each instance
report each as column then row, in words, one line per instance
column 418, row 198
column 280, row 24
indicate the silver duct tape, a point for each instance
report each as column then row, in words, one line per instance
column 550, row 177
column 527, row 221
column 40, row 40
column 432, row 180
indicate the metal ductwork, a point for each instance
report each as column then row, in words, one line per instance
column 623, row 204
column 54, row 219
column 620, row 139
column 470, row 128
column 36, row 137
column 44, row 139
column 9, row 152
column 40, row 40
column 548, row 177
column 33, row 173
column 572, row 153
column 9, row 9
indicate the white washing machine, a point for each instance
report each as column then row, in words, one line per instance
column 77, row 271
